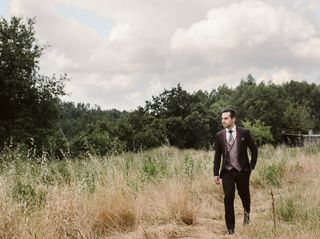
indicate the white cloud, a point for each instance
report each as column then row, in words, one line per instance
column 285, row 76
column 309, row 49
column 57, row 60
column 245, row 25
column 155, row 44
column 281, row 76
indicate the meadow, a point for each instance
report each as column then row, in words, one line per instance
column 160, row 193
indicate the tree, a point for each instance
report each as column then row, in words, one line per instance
column 146, row 130
column 305, row 95
column 260, row 132
column 29, row 102
column 174, row 102
column 262, row 101
column 187, row 118
column 298, row 118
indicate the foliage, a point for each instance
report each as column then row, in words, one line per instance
column 29, row 101
column 34, row 117
column 259, row 131
column 273, row 173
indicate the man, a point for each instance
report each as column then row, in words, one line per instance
column 232, row 143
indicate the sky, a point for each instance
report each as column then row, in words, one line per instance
column 120, row 53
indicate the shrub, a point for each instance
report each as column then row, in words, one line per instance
column 273, row 173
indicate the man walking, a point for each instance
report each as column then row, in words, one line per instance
column 232, row 143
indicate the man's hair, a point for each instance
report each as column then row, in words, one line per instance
column 232, row 112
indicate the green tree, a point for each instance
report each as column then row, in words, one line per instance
column 187, row 118
column 262, row 101
column 260, row 132
column 146, row 130
column 298, row 118
column 29, row 102
column 305, row 95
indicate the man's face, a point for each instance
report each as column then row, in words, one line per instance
column 226, row 120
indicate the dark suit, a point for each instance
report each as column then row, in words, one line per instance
column 233, row 177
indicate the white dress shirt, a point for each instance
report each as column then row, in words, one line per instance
column 234, row 133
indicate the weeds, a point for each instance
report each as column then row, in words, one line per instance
column 99, row 197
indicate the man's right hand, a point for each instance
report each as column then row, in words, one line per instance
column 217, row 180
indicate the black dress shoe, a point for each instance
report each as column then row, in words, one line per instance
column 230, row 232
column 246, row 218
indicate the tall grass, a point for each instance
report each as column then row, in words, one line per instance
column 160, row 193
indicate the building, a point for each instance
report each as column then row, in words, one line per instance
column 301, row 139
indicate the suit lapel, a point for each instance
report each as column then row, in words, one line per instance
column 238, row 140
column 224, row 140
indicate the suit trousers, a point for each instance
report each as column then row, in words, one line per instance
column 232, row 179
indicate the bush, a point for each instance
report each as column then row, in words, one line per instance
column 260, row 132
column 273, row 173
column 286, row 209
column 27, row 196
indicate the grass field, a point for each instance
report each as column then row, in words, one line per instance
column 161, row 193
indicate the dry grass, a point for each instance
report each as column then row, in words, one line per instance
column 161, row 193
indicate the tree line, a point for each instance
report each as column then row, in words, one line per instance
column 34, row 117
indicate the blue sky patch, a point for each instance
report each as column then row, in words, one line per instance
column 3, row 8
column 101, row 25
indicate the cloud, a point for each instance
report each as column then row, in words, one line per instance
column 155, row 44
column 285, row 76
column 244, row 26
column 308, row 49
column 253, row 37
column 281, row 76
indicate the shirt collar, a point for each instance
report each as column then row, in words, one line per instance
column 233, row 129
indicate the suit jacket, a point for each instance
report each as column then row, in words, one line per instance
column 244, row 141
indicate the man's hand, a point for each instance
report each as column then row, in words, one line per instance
column 217, row 180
